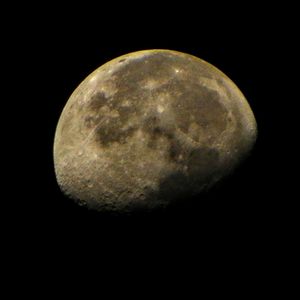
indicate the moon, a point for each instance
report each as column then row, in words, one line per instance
column 149, row 128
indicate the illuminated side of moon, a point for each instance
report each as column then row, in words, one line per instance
column 148, row 128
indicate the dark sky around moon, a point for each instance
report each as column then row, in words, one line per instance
column 55, row 52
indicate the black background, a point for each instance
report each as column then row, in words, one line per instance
column 238, row 226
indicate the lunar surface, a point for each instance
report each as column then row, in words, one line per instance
column 149, row 128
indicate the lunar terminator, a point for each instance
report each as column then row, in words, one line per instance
column 148, row 128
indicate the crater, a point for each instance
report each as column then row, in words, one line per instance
column 97, row 101
column 111, row 117
column 155, row 130
column 91, row 121
column 211, row 114
column 199, row 171
column 202, row 162
column 108, row 134
column 175, row 151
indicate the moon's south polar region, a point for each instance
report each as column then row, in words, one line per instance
column 148, row 128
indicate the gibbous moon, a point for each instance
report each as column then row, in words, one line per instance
column 149, row 128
